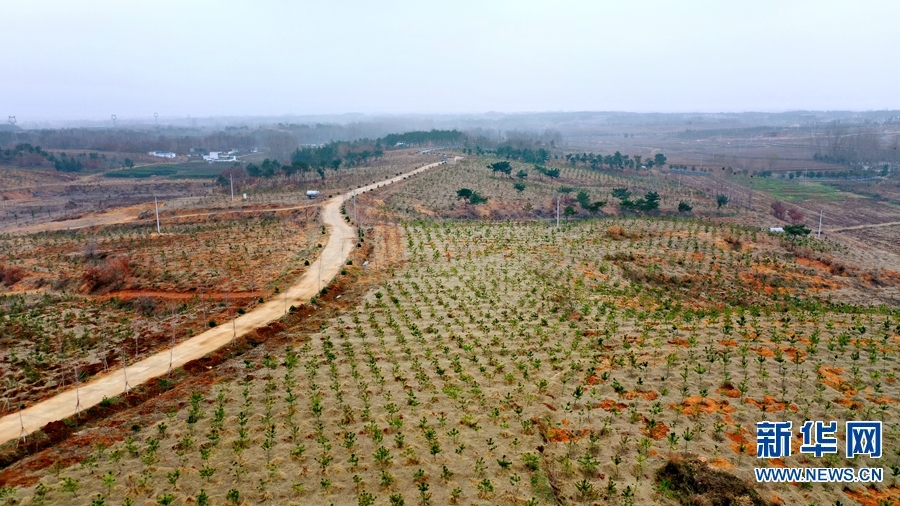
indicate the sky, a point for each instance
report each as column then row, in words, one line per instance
column 88, row 59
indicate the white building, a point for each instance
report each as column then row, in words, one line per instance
column 162, row 154
column 216, row 156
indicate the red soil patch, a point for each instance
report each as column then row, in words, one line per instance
column 847, row 403
column 658, row 431
column 740, row 438
column 593, row 379
column 720, row 463
column 728, row 342
column 696, row 404
column 679, row 342
column 871, row 496
column 768, row 404
column 814, row 264
column 564, row 435
column 650, row 396
column 161, row 294
column 728, row 390
column 609, row 405
column 831, row 376
column 764, row 352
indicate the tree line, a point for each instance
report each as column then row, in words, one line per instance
column 27, row 156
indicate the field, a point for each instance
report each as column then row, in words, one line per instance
column 481, row 356
column 434, row 196
column 792, row 191
column 506, row 363
column 174, row 171
column 32, row 198
column 85, row 300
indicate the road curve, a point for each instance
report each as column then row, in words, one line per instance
column 341, row 240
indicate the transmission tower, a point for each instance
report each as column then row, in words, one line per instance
column 12, row 123
column 113, row 117
column 156, row 119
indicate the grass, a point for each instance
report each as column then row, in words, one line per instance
column 174, row 171
column 794, row 191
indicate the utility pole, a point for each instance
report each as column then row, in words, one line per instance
column 750, row 205
column 22, row 432
column 156, row 203
column 557, row 211
column 819, row 233
column 77, row 393
column 231, row 181
column 125, row 371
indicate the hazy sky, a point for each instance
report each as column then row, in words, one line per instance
column 87, row 59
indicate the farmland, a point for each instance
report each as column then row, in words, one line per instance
column 85, row 301
column 470, row 352
column 507, row 363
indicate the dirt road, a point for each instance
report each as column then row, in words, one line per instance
column 342, row 237
column 132, row 214
column 860, row 227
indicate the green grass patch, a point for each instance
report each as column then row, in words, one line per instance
column 794, row 191
column 173, row 171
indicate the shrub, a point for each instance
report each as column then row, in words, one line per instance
column 10, row 275
column 108, row 276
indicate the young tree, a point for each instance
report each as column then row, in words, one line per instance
column 684, row 207
column 798, row 230
column 583, row 199
column 721, row 200
column 650, row 202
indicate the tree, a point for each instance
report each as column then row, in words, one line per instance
column 504, row 167
column 522, row 174
column 552, row 173
column 520, row 187
column 779, row 209
column 583, row 199
column 595, row 206
column 659, row 159
column 721, row 200
column 684, row 207
column 476, row 199
column 621, row 193
column 650, row 202
column 798, row 230
column 795, row 215
column 471, row 196
column 569, row 211
column 128, row 163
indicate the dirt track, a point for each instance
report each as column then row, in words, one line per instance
column 342, row 237
column 860, row 227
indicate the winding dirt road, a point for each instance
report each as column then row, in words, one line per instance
column 342, row 237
